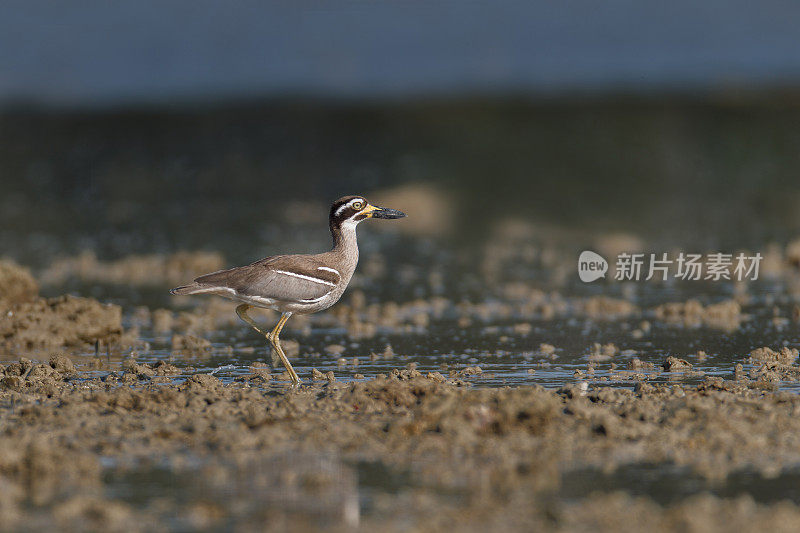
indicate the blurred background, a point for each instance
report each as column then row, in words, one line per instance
column 149, row 126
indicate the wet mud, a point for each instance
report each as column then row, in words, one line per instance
column 124, row 418
column 139, row 450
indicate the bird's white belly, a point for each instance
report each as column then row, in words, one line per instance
column 297, row 307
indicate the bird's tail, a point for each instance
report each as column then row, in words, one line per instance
column 186, row 289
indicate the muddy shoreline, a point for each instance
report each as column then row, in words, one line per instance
column 454, row 455
column 100, row 430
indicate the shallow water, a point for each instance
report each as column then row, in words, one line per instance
column 505, row 356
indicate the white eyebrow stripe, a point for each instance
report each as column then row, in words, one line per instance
column 345, row 206
column 342, row 208
column 328, row 269
column 307, row 278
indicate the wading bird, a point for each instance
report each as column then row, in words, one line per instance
column 301, row 284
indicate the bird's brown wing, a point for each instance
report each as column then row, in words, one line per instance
column 283, row 277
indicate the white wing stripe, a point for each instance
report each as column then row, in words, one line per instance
column 328, row 269
column 307, row 278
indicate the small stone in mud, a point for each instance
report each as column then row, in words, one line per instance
column 436, row 376
column 162, row 368
column 61, row 363
column 143, row 370
column 405, row 374
column 673, row 364
column 316, row 375
column 471, row 371
column 205, row 380
column 261, row 371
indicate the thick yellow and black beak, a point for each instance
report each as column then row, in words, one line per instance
column 382, row 212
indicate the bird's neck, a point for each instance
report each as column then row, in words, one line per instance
column 345, row 243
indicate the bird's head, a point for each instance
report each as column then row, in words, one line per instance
column 354, row 209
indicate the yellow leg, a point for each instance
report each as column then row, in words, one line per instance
column 274, row 338
column 242, row 312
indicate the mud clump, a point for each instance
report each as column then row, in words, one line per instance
column 786, row 356
column 61, row 364
column 772, row 366
column 65, row 321
column 141, row 371
column 16, row 284
column 673, row 364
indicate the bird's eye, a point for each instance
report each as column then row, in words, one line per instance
column 358, row 205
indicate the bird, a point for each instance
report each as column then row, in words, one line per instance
column 298, row 283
